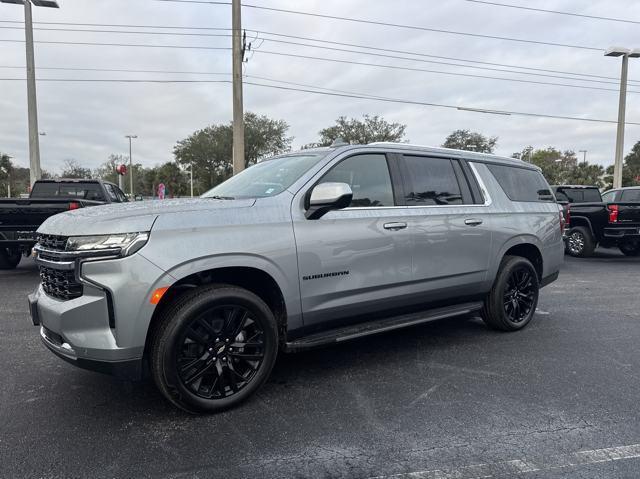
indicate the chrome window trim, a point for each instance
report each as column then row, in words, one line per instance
column 483, row 188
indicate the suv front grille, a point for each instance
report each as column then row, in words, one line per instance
column 60, row 284
column 53, row 242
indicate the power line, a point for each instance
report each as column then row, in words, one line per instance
column 469, row 75
column 130, row 32
column 333, row 48
column 396, row 57
column 405, row 52
column 572, row 14
column 343, row 95
column 119, row 25
column 350, row 62
column 395, row 25
column 176, row 27
column 144, row 45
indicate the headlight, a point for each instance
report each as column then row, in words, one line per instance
column 123, row 244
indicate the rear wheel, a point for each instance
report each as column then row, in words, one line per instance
column 580, row 242
column 630, row 247
column 512, row 301
column 9, row 258
column 213, row 348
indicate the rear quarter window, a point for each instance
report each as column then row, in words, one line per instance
column 522, row 184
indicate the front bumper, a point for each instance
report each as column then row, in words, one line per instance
column 105, row 328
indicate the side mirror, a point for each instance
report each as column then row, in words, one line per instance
column 326, row 197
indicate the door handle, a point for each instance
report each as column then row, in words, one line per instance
column 473, row 222
column 394, row 226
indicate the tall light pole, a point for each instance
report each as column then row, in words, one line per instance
column 131, row 137
column 238, row 113
column 35, row 172
column 625, row 53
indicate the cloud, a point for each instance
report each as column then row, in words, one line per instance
column 88, row 121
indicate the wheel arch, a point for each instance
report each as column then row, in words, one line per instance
column 528, row 247
column 249, row 275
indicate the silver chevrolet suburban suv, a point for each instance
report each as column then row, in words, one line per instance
column 301, row 250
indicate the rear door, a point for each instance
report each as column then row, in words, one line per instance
column 450, row 225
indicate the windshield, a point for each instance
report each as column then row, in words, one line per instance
column 267, row 178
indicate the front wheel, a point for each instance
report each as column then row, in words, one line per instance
column 630, row 247
column 213, row 348
column 9, row 258
column 512, row 301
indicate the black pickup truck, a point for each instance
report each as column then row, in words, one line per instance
column 20, row 218
column 592, row 222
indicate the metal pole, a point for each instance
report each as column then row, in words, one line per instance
column 191, row 172
column 35, row 172
column 617, row 169
column 238, row 112
column 8, row 184
column 130, row 170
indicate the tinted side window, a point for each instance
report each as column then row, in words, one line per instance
column 521, row 184
column 432, row 181
column 609, row 196
column 111, row 192
column 631, row 196
column 368, row 176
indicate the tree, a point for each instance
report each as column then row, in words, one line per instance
column 470, row 141
column 361, row 132
column 210, row 150
column 6, row 173
column 72, row 169
column 563, row 167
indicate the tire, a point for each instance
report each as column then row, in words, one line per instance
column 580, row 242
column 218, row 368
column 630, row 247
column 507, row 308
column 9, row 258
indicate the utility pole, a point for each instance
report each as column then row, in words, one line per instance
column 238, row 110
column 35, row 172
column 191, row 173
column 130, row 165
column 584, row 156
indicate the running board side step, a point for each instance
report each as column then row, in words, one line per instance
column 360, row 330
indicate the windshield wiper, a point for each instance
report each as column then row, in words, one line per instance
column 216, row 197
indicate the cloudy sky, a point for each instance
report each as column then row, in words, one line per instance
column 87, row 121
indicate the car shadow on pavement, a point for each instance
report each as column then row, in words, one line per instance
column 292, row 373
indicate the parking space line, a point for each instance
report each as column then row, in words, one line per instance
column 522, row 466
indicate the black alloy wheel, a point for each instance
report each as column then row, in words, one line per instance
column 220, row 351
column 511, row 303
column 520, row 294
column 213, row 347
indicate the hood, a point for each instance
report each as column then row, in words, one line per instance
column 129, row 217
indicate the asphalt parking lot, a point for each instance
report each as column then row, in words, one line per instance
column 449, row 399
